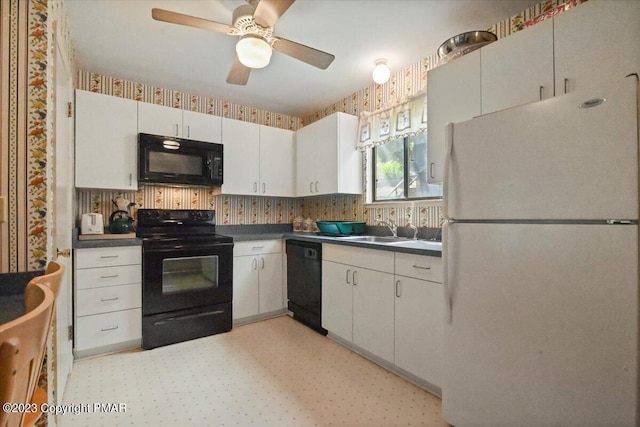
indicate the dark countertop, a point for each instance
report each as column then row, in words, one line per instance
column 268, row 232
column 285, row 231
column 102, row 243
column 311, row 237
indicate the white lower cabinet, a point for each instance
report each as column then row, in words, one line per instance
column 258, row 279
column 389, row 304
column 373, row 309
column 419, row 316
column 108, row 299
column 357, row 297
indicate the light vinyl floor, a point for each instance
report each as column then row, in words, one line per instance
column 271, row 373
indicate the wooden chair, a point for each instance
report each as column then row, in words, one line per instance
column 51, row 278
column 21, row 345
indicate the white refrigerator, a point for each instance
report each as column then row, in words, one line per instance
column 541, row 263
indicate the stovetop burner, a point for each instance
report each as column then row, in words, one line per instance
column 175, row 223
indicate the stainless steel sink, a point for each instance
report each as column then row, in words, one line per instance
column 396, row 241
column 375, row 239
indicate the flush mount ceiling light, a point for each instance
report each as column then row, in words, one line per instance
column 253, row 51
column 381, row 72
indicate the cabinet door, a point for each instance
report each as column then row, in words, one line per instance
column 453, row 96
column 305, row 161
column 276, row 162
column 337, row 299
column 159, row 120
column 245, row 286
column 596, row 42
column 326, row 155
column 419, row 317
column 271, row 283
column 241, row 157
column 201, row 127
column 106, row 128
column 518, row 69
column 349, row 179
column 373, row 312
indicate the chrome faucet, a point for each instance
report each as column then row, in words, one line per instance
column 390, row 225
column 415, row 230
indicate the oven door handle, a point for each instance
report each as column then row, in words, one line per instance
column 187, row 246
column 187, row 317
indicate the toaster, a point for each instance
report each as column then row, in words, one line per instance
column 92, row 224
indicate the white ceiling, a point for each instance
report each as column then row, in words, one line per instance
column 118, row 38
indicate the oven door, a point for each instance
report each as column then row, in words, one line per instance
column 183, row 275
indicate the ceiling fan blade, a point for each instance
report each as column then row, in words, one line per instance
column 307, row 54
column 239, row 73
column 269, row 11
column 189, row 21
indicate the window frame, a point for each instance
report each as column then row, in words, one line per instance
column 406, row 197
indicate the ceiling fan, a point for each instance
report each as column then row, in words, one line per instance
column 254, row 23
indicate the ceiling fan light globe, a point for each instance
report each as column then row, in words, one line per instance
column 253, row 52
column 381, row 72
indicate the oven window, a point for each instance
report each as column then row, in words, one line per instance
column 173, row 163
column 189, row 273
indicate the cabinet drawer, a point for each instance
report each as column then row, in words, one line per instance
column 255, row 247
column 109, row 328
column 106, row 257
column 108, row 276
column 372, row 259
column 419, row 267
column 104, row 300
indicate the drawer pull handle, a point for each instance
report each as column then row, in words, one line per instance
column 109, row 329
column 421, row 267
column 258, row 247
column 109, row 299
column 110, row 276
column 109, row 256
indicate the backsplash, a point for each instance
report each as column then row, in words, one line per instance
column 230, row 209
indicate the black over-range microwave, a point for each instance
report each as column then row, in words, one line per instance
column 177, row 161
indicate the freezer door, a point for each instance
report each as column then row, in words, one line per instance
column 549, row 160
column 544, row 325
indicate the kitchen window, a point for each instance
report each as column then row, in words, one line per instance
column 395, row 141
column 400, row 170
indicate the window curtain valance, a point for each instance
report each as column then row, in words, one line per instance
column 405, row 119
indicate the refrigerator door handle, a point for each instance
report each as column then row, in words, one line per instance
column 445, row 273
column 448, row 135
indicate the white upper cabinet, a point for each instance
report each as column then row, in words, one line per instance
column 168, row 121
column 327, row 161
column 159, row 120
column 277, row 162
column 106, row 127
column 305, row 160
column 258, row 159
column 453, row 92
column 201, row 127
column 596, row 42
column 518, row 69
column 241, row 157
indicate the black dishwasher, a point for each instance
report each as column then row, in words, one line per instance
column 304, row 283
